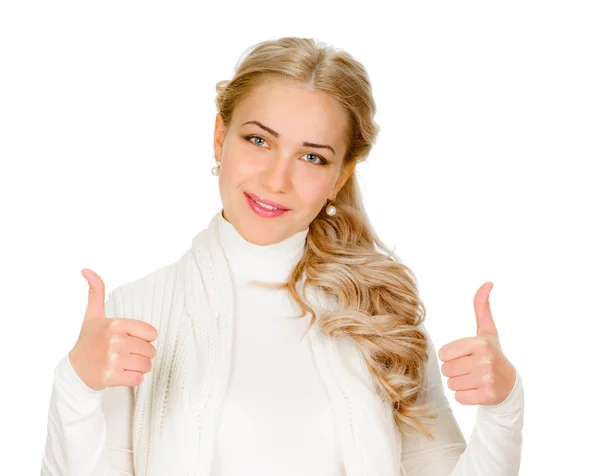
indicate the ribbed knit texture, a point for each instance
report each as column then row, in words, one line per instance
column 176, row 410
column 177, row 406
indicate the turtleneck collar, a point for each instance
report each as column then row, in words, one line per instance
column 248, row 261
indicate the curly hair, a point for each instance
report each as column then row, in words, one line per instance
column 378, row 305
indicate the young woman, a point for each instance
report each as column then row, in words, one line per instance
column 288, row 339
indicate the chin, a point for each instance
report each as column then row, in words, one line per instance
column 263, row 236
column 256, row 234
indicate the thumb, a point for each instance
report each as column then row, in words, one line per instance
column 483, row 313
column 95, row 307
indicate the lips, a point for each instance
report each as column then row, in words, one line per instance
column 263, row 212
column 258, row 198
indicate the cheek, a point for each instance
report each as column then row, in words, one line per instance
column 313, row 189
column 238, row 165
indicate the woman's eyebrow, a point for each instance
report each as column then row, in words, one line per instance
column 276, row 134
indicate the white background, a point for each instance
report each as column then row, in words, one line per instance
column 485, row 169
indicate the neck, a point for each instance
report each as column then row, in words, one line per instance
column 248, row 261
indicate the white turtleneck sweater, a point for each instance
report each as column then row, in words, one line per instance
column 276, row 418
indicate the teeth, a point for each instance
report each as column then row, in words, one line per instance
column 268, row 207
column 264, row 205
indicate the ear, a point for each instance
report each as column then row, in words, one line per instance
column 219, row 137
column 344, row 176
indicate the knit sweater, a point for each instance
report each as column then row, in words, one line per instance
column 233, row 389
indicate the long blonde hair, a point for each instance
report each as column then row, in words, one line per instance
column 377, row 296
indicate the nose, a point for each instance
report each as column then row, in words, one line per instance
column 277, row 175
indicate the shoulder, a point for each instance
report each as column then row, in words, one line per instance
column 133, row 296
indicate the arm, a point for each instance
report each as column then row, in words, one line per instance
column 494, row 447
column 89, row 431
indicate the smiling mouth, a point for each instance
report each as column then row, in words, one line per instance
column 264, row 210
column 264, row 204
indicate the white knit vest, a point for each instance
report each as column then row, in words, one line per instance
column 177, row 406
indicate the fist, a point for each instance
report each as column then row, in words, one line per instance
column 110, row 352
column 477, row 369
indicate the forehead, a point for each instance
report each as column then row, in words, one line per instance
column 296, row 111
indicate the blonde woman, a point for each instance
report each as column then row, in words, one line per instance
column 288, row 339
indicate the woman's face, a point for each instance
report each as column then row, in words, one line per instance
column 292, row 155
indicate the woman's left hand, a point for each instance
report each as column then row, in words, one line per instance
column 476, row 367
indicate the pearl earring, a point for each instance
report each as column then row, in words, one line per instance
column 216, row 169
column 331, row 210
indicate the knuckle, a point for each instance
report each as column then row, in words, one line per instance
column 483, row 345
column 114, row 324
column 112, row 357
column 108, row 377
column 114, row 339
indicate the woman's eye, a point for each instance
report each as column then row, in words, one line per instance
column 256, row 137
column 323, row 161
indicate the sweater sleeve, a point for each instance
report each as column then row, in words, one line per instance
column 89, row 432
column 494, row 448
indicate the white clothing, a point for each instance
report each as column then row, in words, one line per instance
column 233, row 390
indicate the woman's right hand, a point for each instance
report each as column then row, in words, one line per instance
column 111, row 352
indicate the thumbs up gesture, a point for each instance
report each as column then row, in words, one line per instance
column 110, row 352
column 476, row 367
